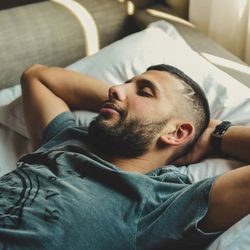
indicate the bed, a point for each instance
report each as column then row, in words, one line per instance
column 228, row 98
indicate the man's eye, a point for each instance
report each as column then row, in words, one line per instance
column 143, row 92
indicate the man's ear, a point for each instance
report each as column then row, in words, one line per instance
column 179, row 134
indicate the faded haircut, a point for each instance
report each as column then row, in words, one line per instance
column 193, row 98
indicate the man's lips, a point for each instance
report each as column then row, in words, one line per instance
column 110, row 108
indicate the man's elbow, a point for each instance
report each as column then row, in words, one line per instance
column 32, row 72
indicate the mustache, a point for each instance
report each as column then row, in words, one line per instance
column 116, row 106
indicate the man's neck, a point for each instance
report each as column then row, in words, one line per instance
column 142, row 164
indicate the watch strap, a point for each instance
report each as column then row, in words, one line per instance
column 217, row 135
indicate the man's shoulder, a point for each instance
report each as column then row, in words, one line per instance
column 63, row 129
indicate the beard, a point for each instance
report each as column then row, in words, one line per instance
column 124, row 138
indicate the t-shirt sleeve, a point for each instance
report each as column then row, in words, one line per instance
column 172, row 214
column 59, row 123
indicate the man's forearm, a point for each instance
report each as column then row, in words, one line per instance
column 236, row 143
column 78, row 91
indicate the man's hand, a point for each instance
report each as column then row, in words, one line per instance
column 202, row 148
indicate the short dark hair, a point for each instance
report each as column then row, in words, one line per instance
column 198, row 103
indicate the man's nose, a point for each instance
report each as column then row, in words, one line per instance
column 117, row 92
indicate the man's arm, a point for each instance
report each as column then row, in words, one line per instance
column 49, row 91
column 236, row 143
column 230, row 194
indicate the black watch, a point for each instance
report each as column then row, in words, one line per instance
column 217, row 136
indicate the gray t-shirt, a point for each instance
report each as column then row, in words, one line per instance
column 64, row 197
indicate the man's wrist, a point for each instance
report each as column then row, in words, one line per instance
column 217, row 135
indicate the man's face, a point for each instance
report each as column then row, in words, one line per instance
column 134, row 115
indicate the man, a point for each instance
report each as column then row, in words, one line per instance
column 103, row 188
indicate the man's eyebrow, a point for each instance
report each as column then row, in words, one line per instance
column 130, row 80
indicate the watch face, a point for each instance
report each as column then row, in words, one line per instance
column 221, row 128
